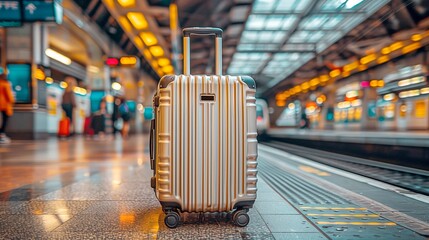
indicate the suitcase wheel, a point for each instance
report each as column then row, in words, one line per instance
column 172, row 219
column 240, row 218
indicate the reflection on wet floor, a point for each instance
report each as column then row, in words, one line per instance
column 83, row 189
column 25, row 162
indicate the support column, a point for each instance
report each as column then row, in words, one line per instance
column 26, row 45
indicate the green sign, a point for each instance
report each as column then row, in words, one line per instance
column 13, row 13
column 10, row 13
column 42, row 11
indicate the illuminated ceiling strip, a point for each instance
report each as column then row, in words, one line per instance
column 371, row 57
column 58, row 56
column 118, row 12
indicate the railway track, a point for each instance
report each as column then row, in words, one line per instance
column 412, row 179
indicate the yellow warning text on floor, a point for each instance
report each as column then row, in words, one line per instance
column 335, row 208
column 343, row 215
column 313, row 171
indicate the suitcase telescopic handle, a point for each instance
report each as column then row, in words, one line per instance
column 187, row 33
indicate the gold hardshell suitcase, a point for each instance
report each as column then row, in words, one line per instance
column 203, row 140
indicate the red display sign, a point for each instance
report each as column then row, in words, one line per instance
column 112, row 62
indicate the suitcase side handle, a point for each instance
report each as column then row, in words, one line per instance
column 187, row 33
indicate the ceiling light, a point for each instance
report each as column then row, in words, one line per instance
column 137, row 20
column 163, row 62
column 411, row 47
column 63, row 84
column 127, row 3
column 116, row 86
column 57, row 56
column 168, row 69
column 156, row 51
column 138, row 42
column 125, row 23
column 147, row 54
column 148, row 38
column 367, row 59
column 382, row 59
column 93, row 69
column 49, row 80
column 416, row 37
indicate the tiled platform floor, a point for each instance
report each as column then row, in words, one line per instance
column 86, row 189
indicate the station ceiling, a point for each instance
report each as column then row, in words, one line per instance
column 272, row 40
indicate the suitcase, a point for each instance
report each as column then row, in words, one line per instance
column 64, row 127
column 203, row 143
column 87, row 128
column 98, row 123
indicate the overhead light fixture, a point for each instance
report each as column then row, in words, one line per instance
column 93, row 69
column 156, row 51
column 383, row 59
column 148, row 38
column 411, row 47
column 58, row 56
column 63, row 84
column 416, row 37
column 168, row 69
column 335, row 73
column 367, row 59
column 137, row 20
column 147, row 54
column 351, row 66
column 163, row 62
column 424, row 90
column 127, row 3
column 125, row 23
column 116, row 86
column 128, row 60
column 138, row 42
column 49, row 80
column 395, row 46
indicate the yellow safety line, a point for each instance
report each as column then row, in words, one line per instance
column 334, row 208
column 343, row 215
column 359, row 223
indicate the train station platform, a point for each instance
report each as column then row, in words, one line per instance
column 88, row 189
column 392, row 138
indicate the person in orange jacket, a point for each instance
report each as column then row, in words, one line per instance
column 6, row 104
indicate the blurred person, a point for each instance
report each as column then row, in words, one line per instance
column 116, row 115
column 126, row 116
column 98, row 122
column 69, row 102
column 304, row 122
column 6, row 104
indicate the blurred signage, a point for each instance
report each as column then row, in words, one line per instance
column 20, row 78
column 129, row 61
column 112, row 62
column 125, row 61
column 14, row 13
column 10, row 13
column 43, row 11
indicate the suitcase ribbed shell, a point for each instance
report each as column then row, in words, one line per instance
column 206, row 150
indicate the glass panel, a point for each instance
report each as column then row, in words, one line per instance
column 302, row 5
column 262, row 36
column 315, row 36
column 261, row 22
column 299, row 36
column 323, row 21
column 286, row 6
column 255, row 22
column 264, row 5
column 332, row 5
column 257, row 47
